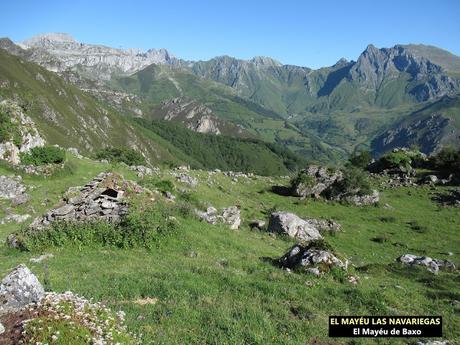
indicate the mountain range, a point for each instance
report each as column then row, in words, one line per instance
column 389, row 97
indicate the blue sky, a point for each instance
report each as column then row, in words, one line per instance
column 307, row 33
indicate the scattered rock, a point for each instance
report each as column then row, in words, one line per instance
column 11, row 188
column 431, row 179
column 2, row 328
column 18, row 218
column 187, row 179
column 170, row 196
column 433, row 342
column 293, row 226
column 41, row 258
column 18, row 289
column 20, row 199
column 361, row 200
column 210, row 216
column 324, row 225
column 257, row 224
column 74, row 152
column 315, row 261
column 143, row 170
column 432, row 265
column 231, row 216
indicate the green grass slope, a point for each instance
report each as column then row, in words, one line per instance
column 69, row 117
column 157, row 83
column 226, row 153
column 210, row 285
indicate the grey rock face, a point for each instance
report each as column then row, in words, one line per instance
column 293, row 226
column 11, row 188
column 317, row 180
column 430, row 133
column 193, row 115
column 18, row 289
column 2, row 328
column 210, row 216
column 231, row 216
column 315, row 261
column 376, row 65
column 60, row 52
column 28, row 135
column 432, row 265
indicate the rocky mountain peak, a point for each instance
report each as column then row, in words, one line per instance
column 374, row 66
column 60, row 52
column 264, row 61
column 48, row 40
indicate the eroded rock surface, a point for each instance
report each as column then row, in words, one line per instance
column 293, row 226
column 315, row 261
column 18, row 289
column 432, row 265
column 229, row 215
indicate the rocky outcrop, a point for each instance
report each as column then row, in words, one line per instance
column 59, row 52
column 23, row 300
column 312, row 260
column 432, row 265
column 193, row 115
column 11, row 188
column 360, row 200
column 229, row 215
column 18, row 289
column 314, row 180
column 374, row 66
column 293, row 226
column 428, row 132
column 22, row 133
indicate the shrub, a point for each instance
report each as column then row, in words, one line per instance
column 43, row 155
column 9, row 131
column 303, row 179
column 448, row 160
column 361, row 159
column 162, row 185
column 121, row 155
column 140, row 228
column 354, row 181
column 394, row 160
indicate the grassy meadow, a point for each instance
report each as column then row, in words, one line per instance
column 207, row 284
